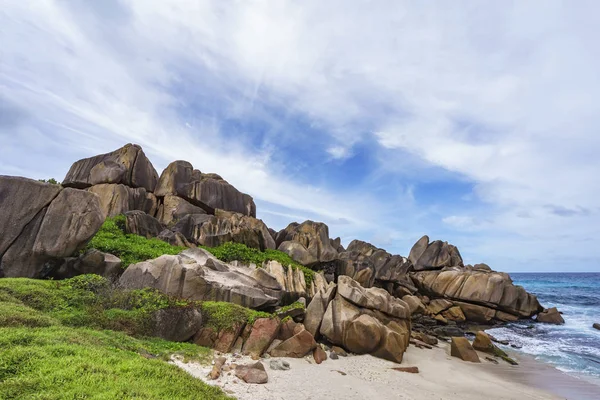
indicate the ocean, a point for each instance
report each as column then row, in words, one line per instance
column 573, row 347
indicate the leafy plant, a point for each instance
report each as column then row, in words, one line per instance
column 51, row 180
column 221, row 315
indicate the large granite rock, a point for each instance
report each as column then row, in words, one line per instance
column 117, row 199
column 308, row 243
column 176, row 324
column 550, row 316
column 316, row 310
column 195, row 274
column 371, row 266
column 489, row 289
column 172, row 208
column 90, row 262
column 142, row 224
column 356, row 314
column 435, row 255
column 461, row 348
column 63, row 225
column 208, row 191
column 297, row 346
column 223, row 227
column 127, row 165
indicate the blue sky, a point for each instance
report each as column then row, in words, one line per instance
column 474, row 123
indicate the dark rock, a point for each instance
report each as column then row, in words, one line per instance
column 492, row 360
column 91, row 262
column 596, row 326
column 177, row 324
column 58, row 230
column 423, row 337
column 550, row 316
column 140, row 223
column 333, row 355
column 452, row 331
column 127, row 165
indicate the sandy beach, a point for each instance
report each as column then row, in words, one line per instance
column 366, row 377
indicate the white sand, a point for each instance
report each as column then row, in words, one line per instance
column 441, row 377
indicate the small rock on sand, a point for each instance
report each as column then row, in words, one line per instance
column 410, row 370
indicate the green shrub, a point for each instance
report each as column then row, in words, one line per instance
column 131, row 249
column 221, row 315
column 228, row 252
column 19, row 315
column 51, row 180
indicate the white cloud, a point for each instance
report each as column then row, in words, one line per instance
column 503, row 95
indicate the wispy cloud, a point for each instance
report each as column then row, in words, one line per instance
column 454, row 119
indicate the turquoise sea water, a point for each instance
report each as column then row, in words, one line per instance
column 573, row 347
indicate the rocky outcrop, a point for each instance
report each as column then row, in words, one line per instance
column 176, row 324
column 264, row 331
column 128, row 166
column 173, row 208
column 491, row 290
column 197, row 275
column 316, row 309
column 435, row 255
column 223, row 227
column 308, row 243
column 42, row 224
column 357, row 313
column 208, row 191
column 550, row 316
column 371, row 266
column 297, row 346
column 142, row 224
column 91, row 262
column 117, row 199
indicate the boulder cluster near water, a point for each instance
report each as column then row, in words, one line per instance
column 360, row 299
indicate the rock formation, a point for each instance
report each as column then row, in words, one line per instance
column 42, row 224
column 435, row 255
column 356, row 313
column 308, row 243
column 551, row 316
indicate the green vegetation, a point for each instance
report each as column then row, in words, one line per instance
column 220, row 315
column 51, row 180
column 55, row 343
column 130, row 248
column 236, row 251
column 60, row 362
column 293, row 306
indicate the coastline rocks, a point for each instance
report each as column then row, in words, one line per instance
column 357, row 313
column 127, row 165
column 196, row 274
column 596, row 326
column 492, row 290
column 550, row 316
column 483, row 342
column 307, row 243
column 371, row 266
column 461, row 348
column 55, row 224
column 208, row 191
column 435, row 255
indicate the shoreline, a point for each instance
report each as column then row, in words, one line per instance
column 440, row 377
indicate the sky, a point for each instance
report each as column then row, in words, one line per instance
column 477, row 123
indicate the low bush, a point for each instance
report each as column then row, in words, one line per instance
column 220, row 315
column 237, row 251
column 130, row 248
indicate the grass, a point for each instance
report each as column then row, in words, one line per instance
column 130, row 248
column 228, row 252
column 60, row 362
column 220, row 315
column 83, row 339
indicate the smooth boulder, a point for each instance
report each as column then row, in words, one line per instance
column 550, row 316
column 308, row 243
column 434, row 256
column 461, row 347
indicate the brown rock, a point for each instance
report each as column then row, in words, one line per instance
column 227, row 338
column 117, row 199
column 550, row 316
column 297, row 346
column 454, row 314
column 264, row 330
column 483, row 342
column 217, row 367
column 506, row 317
column 477, row 313
column 319, row 355
column 205, row 337
column 252, row 373
column 339, row 351
column 434, row 255
column 414, row 303
column 286, row 330
column 173, row 208
column 316, row 310
column 425, row 338
column 436, row 306
column 308, row 242
column 461, row 348
column 410, row 370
